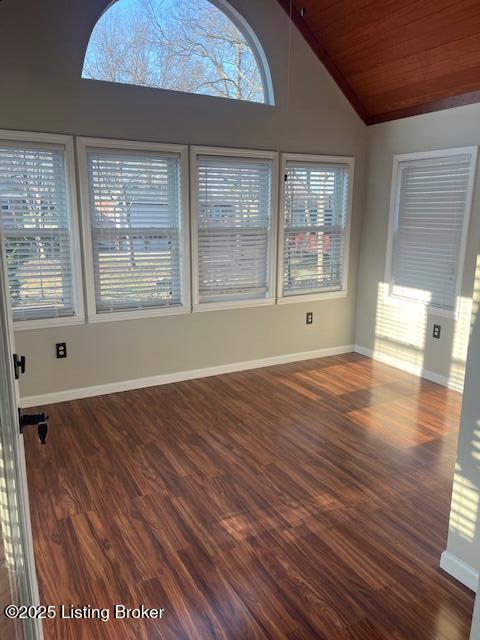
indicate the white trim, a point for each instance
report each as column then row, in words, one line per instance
column 195, row 152
column 132, row 145
column 35, row 136
column 435, row 153
column 14, row 476
column 314, row 159
column 460, row 570
column 135, row 314
column 47, row 323
column 178, row 376
column 405, row 366
column 402, row 159
column 247, row 303
column 314, row 297
column 149, row 147
column 31, row 138
column 230, row 152
column 74, row 211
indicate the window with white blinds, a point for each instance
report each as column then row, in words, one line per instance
column 137, row 232
column 233, row 228
column 36, row 230
column 432, row 206
column 316, row 202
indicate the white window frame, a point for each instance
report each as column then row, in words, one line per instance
column 390, row 298
column 326, row 294
column 78, row 317
column 83, row 144
column 270, row 299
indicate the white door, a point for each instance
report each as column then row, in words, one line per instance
column 18, row 580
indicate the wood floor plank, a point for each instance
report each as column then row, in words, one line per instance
column 307, row 500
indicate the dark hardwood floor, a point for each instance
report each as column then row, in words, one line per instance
column 307, row 500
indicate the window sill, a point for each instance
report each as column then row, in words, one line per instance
column 136, row 314
column 451, row 314
column 47, row 323
column 313, row 297
column 443, row 313
column 233, row 304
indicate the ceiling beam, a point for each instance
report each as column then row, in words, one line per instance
column 426, row 107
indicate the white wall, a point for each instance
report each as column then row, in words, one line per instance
column 41, row 65
column 403, row 334
column 462, row 557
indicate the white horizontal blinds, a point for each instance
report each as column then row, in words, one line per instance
column 316, row 199
column 36, row 231
column 135, row 208
column 234, row 227
column 431, row 206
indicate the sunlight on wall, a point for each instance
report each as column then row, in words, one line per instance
column 461, row 338
column 464, row 526
column 401, row 337
column 9, row 584
column 400, row 330
column 467, row 312
column 7, row 527
column 476, row 446
column 8, row 575
column 464, row 508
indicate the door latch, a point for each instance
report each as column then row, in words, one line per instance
column 39, row 420
column 18, row 365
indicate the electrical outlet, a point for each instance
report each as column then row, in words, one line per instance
column 436, row 331
column 61, row 349
column 309, row 317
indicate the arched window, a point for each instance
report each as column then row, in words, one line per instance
column 196, row 46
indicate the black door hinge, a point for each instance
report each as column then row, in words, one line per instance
column 39, row 420
column 18, row 365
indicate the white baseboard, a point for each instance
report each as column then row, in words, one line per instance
column 404, row 366
column 460, row 570
column 179, row 376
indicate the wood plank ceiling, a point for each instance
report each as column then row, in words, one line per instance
column 396, row 58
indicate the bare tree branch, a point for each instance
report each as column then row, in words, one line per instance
column 186, row 45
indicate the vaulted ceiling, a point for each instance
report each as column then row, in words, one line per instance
column 395, row 58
